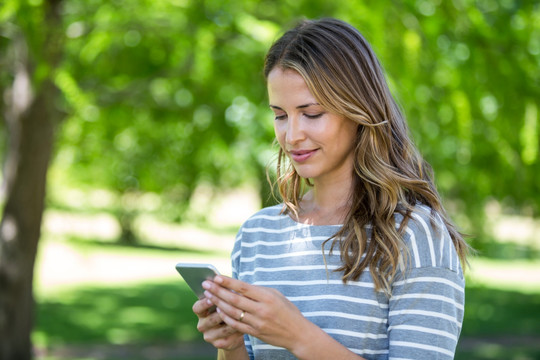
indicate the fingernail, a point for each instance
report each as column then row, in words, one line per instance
column 208, row 302
column 218, row 279
column 208, row 294
column 218, row 310
column 206, row 284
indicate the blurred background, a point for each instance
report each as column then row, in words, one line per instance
column 150, row 120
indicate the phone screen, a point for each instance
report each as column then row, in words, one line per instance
column 194, row 274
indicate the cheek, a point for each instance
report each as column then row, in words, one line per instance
column 280, row 133
column 352, row 132
column 348, row 138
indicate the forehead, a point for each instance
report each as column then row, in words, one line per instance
column 285, row 85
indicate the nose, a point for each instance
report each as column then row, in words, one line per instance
column 295, row 132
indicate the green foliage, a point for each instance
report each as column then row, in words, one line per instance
column 159, row 99
column 467, row 74
column 164, row 95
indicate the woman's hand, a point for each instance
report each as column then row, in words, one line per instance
column 214, row 330
column 262, row 312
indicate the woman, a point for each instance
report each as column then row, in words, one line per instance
column 360, row 261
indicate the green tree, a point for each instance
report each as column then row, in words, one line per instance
column 30, row 117
column 467, row 74
column 174, row 96
column 165, row 96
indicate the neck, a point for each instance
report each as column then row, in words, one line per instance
column 327, row 203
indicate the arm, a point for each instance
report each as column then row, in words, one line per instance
column 316, row 344
column 425, row 314
column 269, row 316
column 427, row 303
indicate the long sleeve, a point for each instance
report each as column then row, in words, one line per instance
column 427, row 304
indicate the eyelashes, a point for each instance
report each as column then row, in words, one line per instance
column 316, row 116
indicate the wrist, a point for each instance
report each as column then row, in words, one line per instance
column 316, row 343
column 237, row 353
column 303, row 343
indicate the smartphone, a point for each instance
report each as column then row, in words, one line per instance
column 195, row 273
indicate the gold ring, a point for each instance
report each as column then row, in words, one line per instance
column 242, row 316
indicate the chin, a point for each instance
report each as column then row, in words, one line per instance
column 308, row 170
column 305, row 174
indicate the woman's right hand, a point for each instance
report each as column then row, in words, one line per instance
column 214, row 330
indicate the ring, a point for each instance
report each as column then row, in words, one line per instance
column 242, row 316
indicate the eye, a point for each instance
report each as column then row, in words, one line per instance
column 315, row 116
column 280, row 117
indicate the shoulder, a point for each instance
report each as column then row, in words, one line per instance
column 428, row 241
column 265, row 220
column 270, row 211
column 424, row 222
column 265, row 216
column 264, row 225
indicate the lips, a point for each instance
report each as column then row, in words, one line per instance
column 301, row 155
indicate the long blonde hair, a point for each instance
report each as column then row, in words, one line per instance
column 389, row 176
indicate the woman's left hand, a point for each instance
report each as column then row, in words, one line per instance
column 259, row 311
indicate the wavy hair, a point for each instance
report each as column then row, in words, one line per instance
column 389, row 175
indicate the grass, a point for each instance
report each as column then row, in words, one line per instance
column 500, row 324
column 128, row 297
column 495, row 312
column 98, row 300
column 152, row 314
column 159, row 314
column 147, row 312
column 499, row 352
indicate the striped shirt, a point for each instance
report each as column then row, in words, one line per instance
column 420, row 320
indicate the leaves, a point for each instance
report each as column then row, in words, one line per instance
column 163, row 95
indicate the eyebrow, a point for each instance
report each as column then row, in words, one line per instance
column 298, row 107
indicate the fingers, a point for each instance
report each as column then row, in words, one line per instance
column 203, row 307
column 208, row 318
column 233, row 310
column 208, row 322
column 214, row 329
column 228, row 342
column 216, row 332
column 242, row 326
column 238, row 286
column 222, row 336
column 234, row 292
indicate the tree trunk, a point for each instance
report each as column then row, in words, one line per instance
column 30, row 118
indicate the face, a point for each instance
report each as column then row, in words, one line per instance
column 319, row 143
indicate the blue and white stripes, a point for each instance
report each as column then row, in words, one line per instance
column 421, row 320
